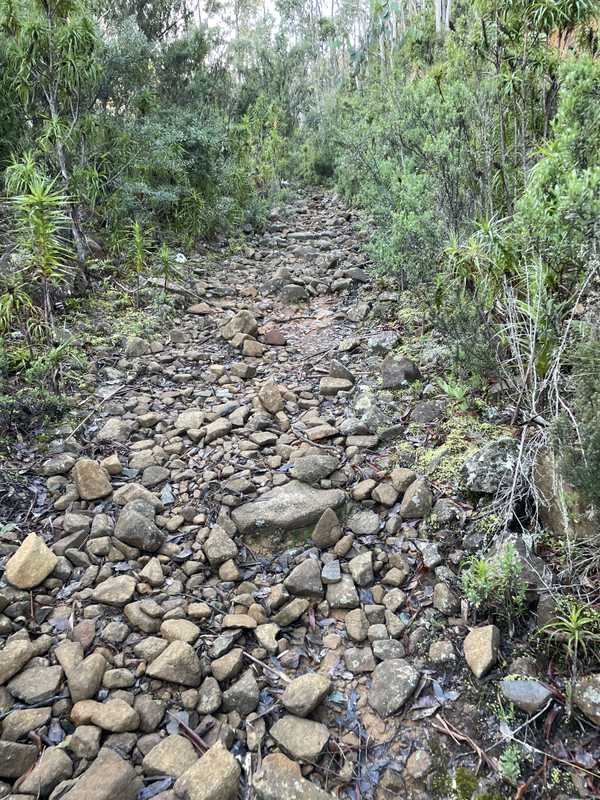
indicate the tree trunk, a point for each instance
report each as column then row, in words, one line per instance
column 74, row 208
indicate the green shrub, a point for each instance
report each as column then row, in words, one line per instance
column 494, row 584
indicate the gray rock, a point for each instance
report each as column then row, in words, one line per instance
column 115, row 591
column 219, row 547
column 136, row 528
column 328, row 530
column 313, row 468
column 209, row 696
column 417, row 500
column 92, row 480
column 242, row 696
column 586, row 696
column 302, row 739
column 492, row 467
column 397, row 372
column 36, row 684
column 364, row 523
column 361, row 568
column 343, row 594
column 305, row 579
column 16, row 759
column 359, row 660
column 172, row 756
column 394, row 681
column 53, row 767
column 291, row 507
column 527, row 694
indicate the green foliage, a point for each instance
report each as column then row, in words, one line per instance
column 494, row 584
column 27, row 409
column 575, row 629
column 41, row 222
column 510, row 763
column 579, row 444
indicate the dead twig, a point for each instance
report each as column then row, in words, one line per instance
column 442, row 725
column 276, row 672
column 190, row 734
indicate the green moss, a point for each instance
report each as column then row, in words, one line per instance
column 462, row 435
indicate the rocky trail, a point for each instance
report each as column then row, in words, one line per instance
column 227, row 583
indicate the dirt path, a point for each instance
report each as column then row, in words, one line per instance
column 240, row 510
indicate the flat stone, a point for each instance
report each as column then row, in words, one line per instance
column 305, row 693
column 331, row 572
column 527, row 694
column 36, row 684
column 481, row 649
column 115, row 591
column 303, row 739
column 85, row 678
column 20, row 722
column 114, row 715
column 313, row 468
column 16, row 759
column 291, row 507
column 215, row 776
column 393, row 683
column 114, row 430
column 179, row 630
column 31, row 564
column 329, row 387
column 13, row 658
column 364, row 523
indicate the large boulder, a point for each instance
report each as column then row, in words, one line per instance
column 292, row 507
